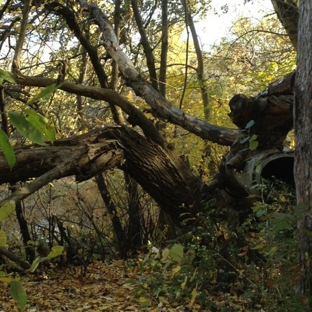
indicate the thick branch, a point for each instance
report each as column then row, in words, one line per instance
column 136, row 117
column 72, row 157
column 24, row 264
column 160, row 106
column 220, row 135
column 168, row 179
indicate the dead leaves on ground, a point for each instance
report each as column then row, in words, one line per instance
column 103, row 288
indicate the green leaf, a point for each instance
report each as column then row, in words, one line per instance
column 248, row 294
column 5, row 75
column 258, row 167
column 55, row 252
column 25, row 128
column 44, row 93
column 7, row 149
column 35, row 264
column 283, row 221
column 253, row 145
column 176, row 252
column 6, row 209
column 250, row 124
column 259, row 246
column 261, row 212
column 3, row 239
column 18, row 294
column 254, row 137
column 41, row 124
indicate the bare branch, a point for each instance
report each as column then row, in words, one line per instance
column 160, row 106
column 21, row 38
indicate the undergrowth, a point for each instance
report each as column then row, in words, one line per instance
column 215, row 267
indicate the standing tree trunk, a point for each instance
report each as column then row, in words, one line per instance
column 287, row 13
column 303, row 152
column 200, row 61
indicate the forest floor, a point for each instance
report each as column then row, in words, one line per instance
column 103, row 288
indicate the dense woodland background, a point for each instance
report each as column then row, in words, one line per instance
column 123, row 138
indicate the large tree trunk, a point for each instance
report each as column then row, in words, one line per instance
column 287, row 13
column 303, row 152
column 167, row 178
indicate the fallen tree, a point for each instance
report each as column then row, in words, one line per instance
column 166, row 177
column 143, row 154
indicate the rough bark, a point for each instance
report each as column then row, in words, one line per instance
column 166, row 178
column 135, row 234
column 287, row 13
column 54, row 162
column 271, row 113
column 85, row 160
column 303, row 152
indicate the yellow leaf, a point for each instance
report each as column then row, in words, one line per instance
column 144, row 302
column 176, row 270
column 194, row 295
column 184, row 283
column 165, row 255
column 119, row 263
column 5, row 279
column 3, row 239
column 163, row 300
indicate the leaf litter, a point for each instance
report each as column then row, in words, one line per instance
column 103, row 288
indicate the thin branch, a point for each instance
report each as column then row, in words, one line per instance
column 200, row 61
column 164, row 48
column 150, row 59
column 21, row 38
